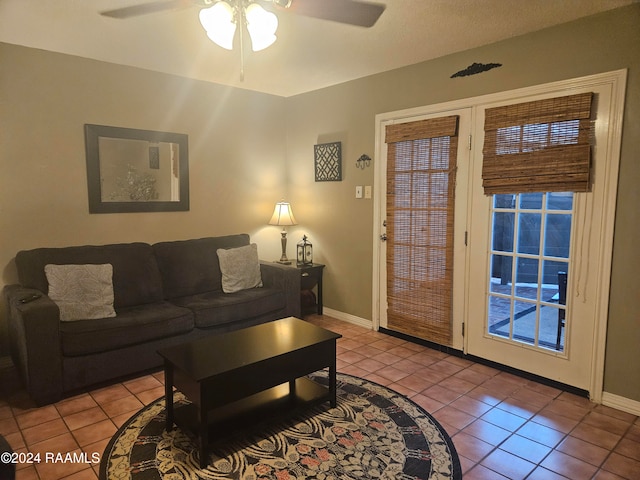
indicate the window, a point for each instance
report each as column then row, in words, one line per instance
column 530, row 258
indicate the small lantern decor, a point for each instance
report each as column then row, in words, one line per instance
column 305, row 252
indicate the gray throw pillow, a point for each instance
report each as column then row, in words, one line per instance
column 82, row 292
column 240, row 268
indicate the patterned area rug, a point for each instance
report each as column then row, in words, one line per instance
column 373, row 433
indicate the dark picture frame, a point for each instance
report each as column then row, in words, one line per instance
column 133, row 170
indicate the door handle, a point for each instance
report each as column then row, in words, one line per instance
column 383, row 237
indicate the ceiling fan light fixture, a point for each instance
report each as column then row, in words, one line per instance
column 262, row 26
column 219, row 23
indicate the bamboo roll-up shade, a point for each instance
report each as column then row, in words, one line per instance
column 420, row 219
column 540, row 146
column 430, row 128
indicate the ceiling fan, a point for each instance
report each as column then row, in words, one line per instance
column 221, row 18
column 352, row 12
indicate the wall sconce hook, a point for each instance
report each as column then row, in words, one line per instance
column 363, row 161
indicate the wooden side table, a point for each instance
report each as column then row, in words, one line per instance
column 310, row 278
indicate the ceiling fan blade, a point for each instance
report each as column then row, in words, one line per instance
column 353, row 12
column 146, row 8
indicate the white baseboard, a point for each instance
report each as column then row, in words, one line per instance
column 347, row 317
column 621, row 403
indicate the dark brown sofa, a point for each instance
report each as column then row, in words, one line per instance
column 164, row 294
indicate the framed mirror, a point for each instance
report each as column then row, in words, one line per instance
column 130, row 170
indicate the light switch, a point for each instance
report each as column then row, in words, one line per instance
column 367, row 191
column 359, row 191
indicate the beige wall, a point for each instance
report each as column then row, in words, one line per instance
column 342, row 226
column 236, row 154
column 248, row 150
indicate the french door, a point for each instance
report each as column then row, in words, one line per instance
column 541, row 262
column 531, row 271
column 423, row 226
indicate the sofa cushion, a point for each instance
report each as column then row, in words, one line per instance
column 240, row 268
column 217, row 308
column 190, row 267
column 131, row 326
column 136, row 278
column 81, row 291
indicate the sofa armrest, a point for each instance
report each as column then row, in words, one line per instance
column 286, row 279
column 34, row 336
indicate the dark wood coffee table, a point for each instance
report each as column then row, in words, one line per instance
column 237, row 378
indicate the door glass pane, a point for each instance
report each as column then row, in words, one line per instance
column 552, row 273
column 557, row 234
column 439, row 189
column 531, row 200
column 560, row 201
column 500, row 316
column 548, row 327
column 534, row 136
column 504, row 201
column 503, row 231
column 524, row 322
column 403, row 190
column 529, row 233
column 501, row 274
column 527, row 278
column 527, row 304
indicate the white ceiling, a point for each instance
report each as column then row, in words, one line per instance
column 309, row 53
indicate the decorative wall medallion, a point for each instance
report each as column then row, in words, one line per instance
column 328, row 162
column 476, row 68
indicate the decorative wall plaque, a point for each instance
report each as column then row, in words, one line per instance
column 476, row 68
column 328, row 162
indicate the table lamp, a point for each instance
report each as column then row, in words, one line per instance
column 283, row 216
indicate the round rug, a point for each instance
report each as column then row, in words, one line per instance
column 373, row 433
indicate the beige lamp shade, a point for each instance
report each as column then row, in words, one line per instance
column 282, row 215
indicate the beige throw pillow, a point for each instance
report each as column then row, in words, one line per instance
column 81, row 292
column 240, row 268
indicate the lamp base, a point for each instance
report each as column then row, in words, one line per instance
column 283, row 242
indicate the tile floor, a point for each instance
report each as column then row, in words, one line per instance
column 503, row 426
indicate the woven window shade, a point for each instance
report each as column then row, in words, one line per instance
column 421, row 168
column 541, row 146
